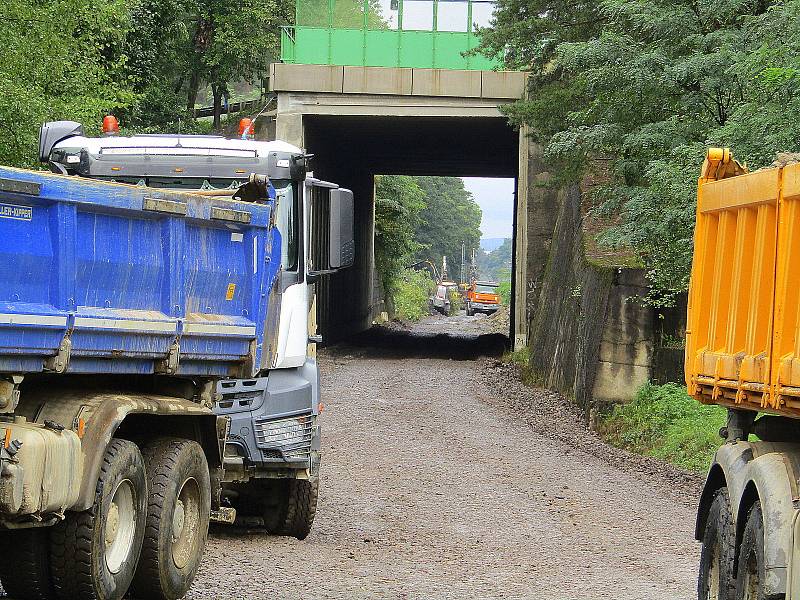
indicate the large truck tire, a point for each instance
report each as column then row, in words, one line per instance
column 751, row 571
column 716, row 580
column 25, row 566
column 178, row 510
column 293, row 513
column 93, row 553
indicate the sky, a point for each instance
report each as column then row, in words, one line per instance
column 496, row 199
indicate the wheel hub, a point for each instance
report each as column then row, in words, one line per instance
column 112, row 524
column 178, row 520
column 186, row 525
column 120, row 526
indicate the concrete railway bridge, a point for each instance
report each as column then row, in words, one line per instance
column 364, row 121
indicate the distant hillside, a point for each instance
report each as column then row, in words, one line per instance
column 496, row 265
column 489, row 244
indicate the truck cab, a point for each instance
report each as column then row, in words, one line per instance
column 483, row 297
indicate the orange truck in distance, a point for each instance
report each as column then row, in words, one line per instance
column 482, row 296
column 743, row 353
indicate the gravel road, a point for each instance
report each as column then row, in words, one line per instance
column 447, row 478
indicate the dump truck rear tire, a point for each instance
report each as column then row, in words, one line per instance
column 25, row 567
column 94, row 552
column 717, row 576
column 293, row 514
column 179, row 506
column 751, row 572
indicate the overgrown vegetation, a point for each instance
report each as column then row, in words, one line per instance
column 635, row 90
column 504, row 289
column 664, row 422
column 420, row 219
column 450, row 217
column 411, row 294
column 398, row 202
column 146, row 61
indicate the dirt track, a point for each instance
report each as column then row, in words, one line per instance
column 445, row 479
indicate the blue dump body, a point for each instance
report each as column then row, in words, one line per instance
column 117, row 276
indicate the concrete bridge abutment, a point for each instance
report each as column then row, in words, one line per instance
column 363, row 121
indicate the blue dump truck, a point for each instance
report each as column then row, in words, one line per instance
column 157, row 369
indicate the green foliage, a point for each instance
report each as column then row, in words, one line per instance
column 450, row 217
column 178, row 46
column 664, row 422
column 521, row 357
column 143, row 60
column 495, row 265
column 646, row 86
column 411, row 295
column 61, row 59
column 504, row 289
column 398, row 202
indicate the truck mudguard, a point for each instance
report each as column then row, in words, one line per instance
column 99, row 415
column 765, row 472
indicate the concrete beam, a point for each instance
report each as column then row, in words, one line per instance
column 443, row 83
column 308, row 78
column 377, row 80
column 508, row 85
column 369, row 105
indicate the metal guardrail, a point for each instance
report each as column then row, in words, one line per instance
column 233, row 107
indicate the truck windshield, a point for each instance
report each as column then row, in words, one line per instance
column 288, row 222
column 486, row 289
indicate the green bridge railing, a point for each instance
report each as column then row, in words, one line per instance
column 432, row 34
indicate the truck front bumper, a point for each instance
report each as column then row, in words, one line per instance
column 487, row 308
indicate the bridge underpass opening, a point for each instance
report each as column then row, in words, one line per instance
column 351, row 150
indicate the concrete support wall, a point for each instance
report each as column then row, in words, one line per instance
column 589, row 338
column 519, row 320
column 625, row 357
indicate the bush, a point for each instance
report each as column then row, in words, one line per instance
column 664, row 422
column 504, row 289
column 411, row 295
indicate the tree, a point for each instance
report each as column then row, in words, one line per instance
column 450, row 217
column 398, row 202
column 649, row 84
column 62, row 59
column 495, row 265
column 179, row 45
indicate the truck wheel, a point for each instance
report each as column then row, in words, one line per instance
column 93, row 553
column 293, row 512
column 470, row 312
column 716, row 579
column 178, row 510
column 751, row 572
column 25, row 568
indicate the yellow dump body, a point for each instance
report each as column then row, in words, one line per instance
column 742, row 339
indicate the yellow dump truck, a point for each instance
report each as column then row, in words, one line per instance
column 743, row 353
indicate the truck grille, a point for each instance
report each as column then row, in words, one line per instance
column 292, row 436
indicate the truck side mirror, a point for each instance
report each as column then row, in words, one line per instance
column 342, row 244
column 332, row 230
column 53, row 132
